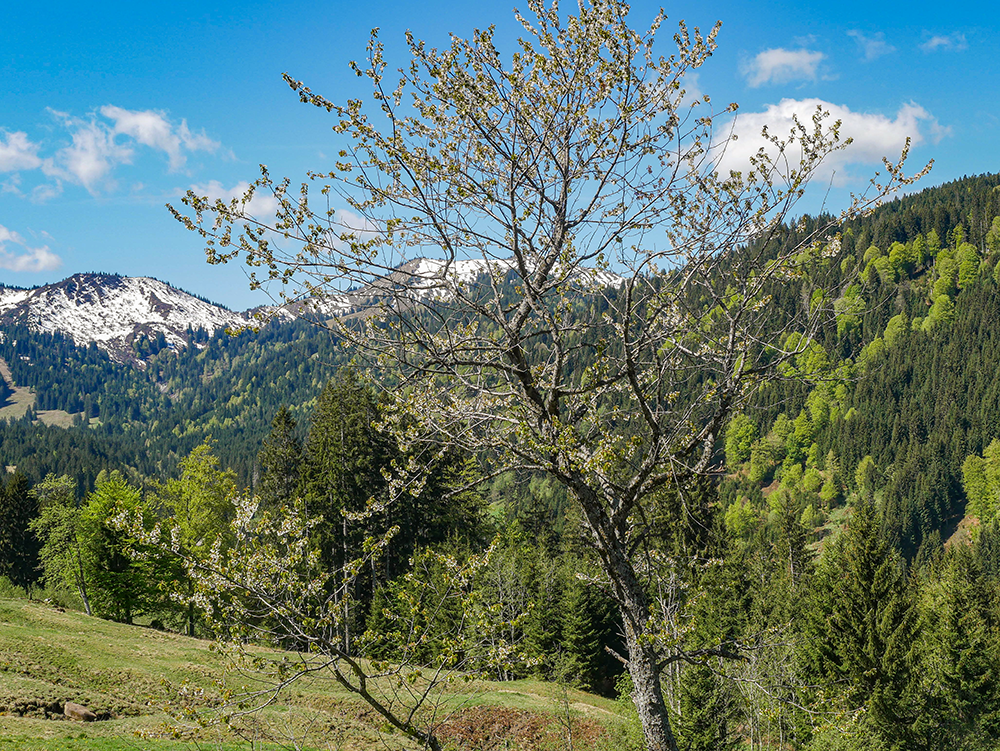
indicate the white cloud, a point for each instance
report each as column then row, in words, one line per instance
column 151, row 128
column 875, row 135
column 46, row 192
column 17, row 152
column 873, row 46
column 92, row 156
column 261, row 205
column 98, row 144
column 949, row 43
column 781, row 66
column 12, row 185
column 30, row 259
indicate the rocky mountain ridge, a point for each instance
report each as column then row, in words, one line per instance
column 116, row 311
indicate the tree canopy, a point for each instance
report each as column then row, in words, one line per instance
column 597, row 296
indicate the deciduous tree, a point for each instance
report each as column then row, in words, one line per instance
column 600, row 298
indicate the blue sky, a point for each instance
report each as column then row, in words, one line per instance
column 108, row 111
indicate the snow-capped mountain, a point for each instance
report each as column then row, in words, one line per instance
column 424, row 279
column 113, row 311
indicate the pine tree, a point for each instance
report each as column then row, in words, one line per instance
column 580, row 643
column 343, row 459
column 280, row 458
column 962, row 684
column 18, row 544
column 871, row 625
column 707, row 713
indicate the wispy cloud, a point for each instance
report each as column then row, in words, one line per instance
column 28, row 258
column 872, row 46
column 261, row 205
column 874, row 135
column 92, row 155
column 17, row 152
column 782, row 66
column 954, row 42
column 151, row 128
column 92, row 147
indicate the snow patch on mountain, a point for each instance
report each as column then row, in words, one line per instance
column 113, row 311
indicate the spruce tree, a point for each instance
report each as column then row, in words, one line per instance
column 707, row 712
column 280, row 458
column 344, row 457
column 18, row 544
column 872, row 628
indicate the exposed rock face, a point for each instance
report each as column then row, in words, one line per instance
column 113, row 311
column 78, row 712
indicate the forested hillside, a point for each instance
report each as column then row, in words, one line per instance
column 845, row 550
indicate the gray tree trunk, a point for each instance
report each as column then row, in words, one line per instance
column 643, row 661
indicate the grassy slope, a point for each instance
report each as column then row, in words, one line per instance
column 23, row 398
column 129, row 674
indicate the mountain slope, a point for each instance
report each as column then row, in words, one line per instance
column 114, row 311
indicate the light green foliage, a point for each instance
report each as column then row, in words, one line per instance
column 942, row 312
column 865, row 476
column 800, row 438
column 812, row 517
column 792, row 476
column 881, row 266
column 812, row 456
column 740, row 436
column 933, row 243
column 740, row 518
column 872, row 353
column 821, row 404
column 946, row 269
column 967, row 258
column 848, row 309
column 981, row 482
column 895, row 328
column 58, row 528
column 812, row 480
column 872, row 253
column 903, row 258
column 125, row 574
column 772, row 449
column 199, row 506
column 763, row 457
column 200, row 502
column 829, row 493
column 810, row 359
column 783, row 427
column 993, row 236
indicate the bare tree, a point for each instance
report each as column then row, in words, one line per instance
column 267, row 586
column 598, row 295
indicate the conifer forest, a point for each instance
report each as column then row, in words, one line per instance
column 749, row 486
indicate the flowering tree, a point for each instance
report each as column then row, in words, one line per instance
column 599, row 295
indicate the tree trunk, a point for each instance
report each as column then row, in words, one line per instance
column 647, row 694
column 643, row 661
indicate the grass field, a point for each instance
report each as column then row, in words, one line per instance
column 137, row 680
column 23, row 398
